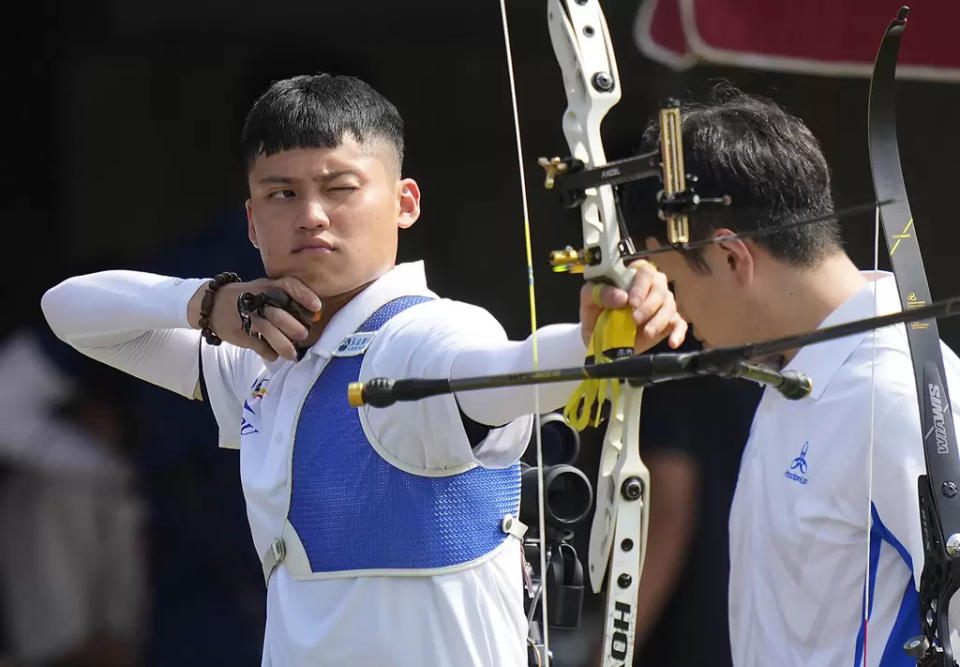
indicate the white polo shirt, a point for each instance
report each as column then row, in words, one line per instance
column 474, row 617
column 798, row 522
column 370, row 620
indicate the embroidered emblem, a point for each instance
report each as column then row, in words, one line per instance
column 354, row 345
column 798, row 466
column 257, row 392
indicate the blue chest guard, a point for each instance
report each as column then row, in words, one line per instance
column 355, row 513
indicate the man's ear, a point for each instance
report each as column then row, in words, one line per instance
column 737, row 255
column 408, row 200
column 251, row 232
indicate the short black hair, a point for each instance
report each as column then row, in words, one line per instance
column 315, row 111
column 769, row 163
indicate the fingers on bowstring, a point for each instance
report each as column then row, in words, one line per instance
column 259, row 345
column 300, row 292
column 288, row 325
column 270, row 336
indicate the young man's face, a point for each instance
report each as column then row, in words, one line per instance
column 329, row 216
column 708, row 301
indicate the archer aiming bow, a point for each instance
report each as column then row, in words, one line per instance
column 582, row 45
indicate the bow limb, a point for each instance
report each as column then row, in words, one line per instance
column 582, row 45
column 939, row 501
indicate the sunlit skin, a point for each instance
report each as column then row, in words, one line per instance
column 748, row 295
column 326, row 222
column 329, row 217
column 717, row 303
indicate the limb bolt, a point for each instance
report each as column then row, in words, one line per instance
column 632, row 488
column 603, row 82
column 953, row 545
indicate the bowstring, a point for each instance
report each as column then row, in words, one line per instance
column 873, row 401
column 533, row 333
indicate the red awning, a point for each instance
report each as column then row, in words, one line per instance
column 824, row 37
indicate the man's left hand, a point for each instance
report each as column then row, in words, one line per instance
column 651, row 301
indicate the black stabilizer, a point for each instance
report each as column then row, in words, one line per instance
column 378, row 392
column 382, row 392
column 795, row 385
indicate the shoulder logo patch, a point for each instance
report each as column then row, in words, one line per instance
column 248, row 424
column 354, row 345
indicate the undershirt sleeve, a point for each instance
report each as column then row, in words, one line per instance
column 137, row 322
column 450, row 339
column 558, row 345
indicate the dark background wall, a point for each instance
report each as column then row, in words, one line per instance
column 126, row 117
column 123, row 121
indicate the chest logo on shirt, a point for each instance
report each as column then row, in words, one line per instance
column 354, row 345
column 798, row 466
column 257, row 392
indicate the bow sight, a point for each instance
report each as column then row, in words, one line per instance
column 569, row 178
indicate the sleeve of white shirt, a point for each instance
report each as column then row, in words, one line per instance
column 137, row 323
column 444, row 339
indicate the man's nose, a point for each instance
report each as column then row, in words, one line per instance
column 315, row 215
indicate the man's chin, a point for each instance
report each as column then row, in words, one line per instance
column 326, row 281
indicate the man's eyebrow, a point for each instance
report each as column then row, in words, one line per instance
column 287, row 180
column 270, row 180
column 339, row 172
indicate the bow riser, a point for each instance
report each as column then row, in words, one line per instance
column 581, row 42
column 620, row 526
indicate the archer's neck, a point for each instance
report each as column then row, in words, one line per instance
column 331, row 305
column 800, row 298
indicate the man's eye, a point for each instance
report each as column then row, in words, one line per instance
column 344, row 188
column 282, row 194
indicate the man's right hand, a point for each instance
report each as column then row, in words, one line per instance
column 278, row 330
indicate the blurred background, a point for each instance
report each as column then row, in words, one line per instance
column 124, row 538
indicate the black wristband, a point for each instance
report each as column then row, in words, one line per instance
column 206, row 304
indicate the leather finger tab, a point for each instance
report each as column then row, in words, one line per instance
column 275, row 296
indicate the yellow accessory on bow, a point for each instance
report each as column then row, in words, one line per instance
column 615, row 330
column 596, row 294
